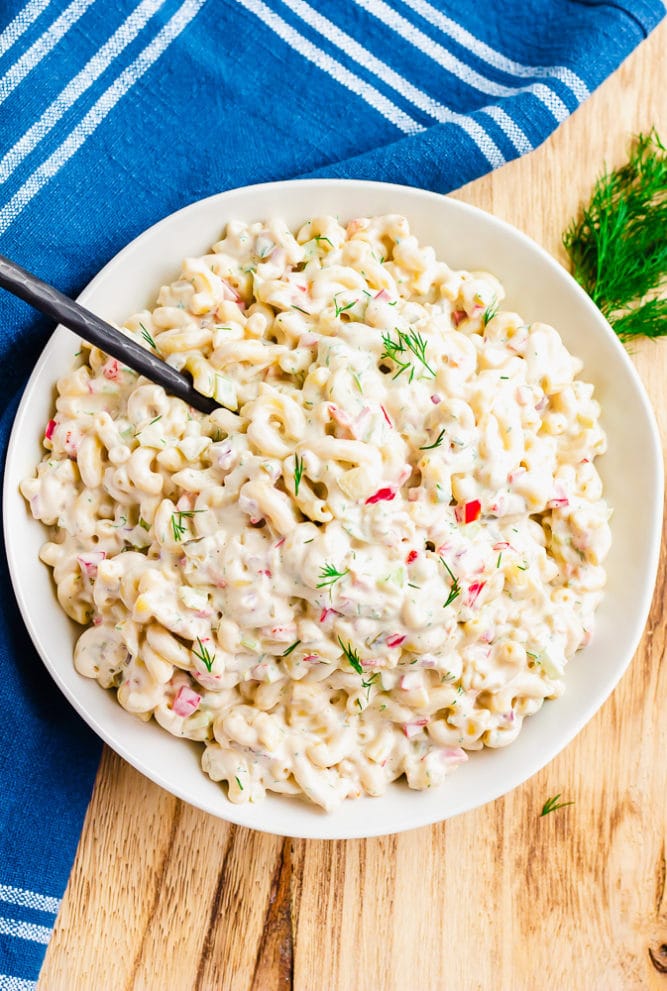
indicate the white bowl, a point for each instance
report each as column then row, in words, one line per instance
column 539, row 289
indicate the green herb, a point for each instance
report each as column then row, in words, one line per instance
column 177, row 525
column 500, row 557
column 295, row 307
column 357, row 702
column 436, row 443
column 147, row 337
column 399, row 351
column 342, row 309
column 329, row 575
column 289, row 650
column 490, row 311
column 355, row 376
column 321, row 237
column 143, row 524
column 552, row 804
column 618, row 246
column 238, row 781
column 352, row 656
column 369, row 682
column 455, row 589
column 204, row 656
column 298, row 472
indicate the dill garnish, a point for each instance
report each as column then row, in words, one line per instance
column 341, row 309
column 436, row 443
column 147, row 337
column 289, row 650
column 399, row 351
column 490, row 311
column 298, row 472
column 552, row 804
column 177, row 524
column 329, row 575
column 352, row 656
column 204, row 656
column 618, row 246
column 455, row 589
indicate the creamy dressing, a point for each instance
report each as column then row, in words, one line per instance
column 379, row 557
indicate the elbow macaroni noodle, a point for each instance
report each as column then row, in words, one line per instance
column 377, row 557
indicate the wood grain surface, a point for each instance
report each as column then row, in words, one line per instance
column 166, row 898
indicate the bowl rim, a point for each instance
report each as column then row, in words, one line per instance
column 235, row 813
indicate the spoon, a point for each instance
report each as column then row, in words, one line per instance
column 96, row 331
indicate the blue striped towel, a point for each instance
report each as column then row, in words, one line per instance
column 113, row 115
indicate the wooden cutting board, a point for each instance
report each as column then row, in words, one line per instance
column 165, row 898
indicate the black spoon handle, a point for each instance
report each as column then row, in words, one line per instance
column 54, row 304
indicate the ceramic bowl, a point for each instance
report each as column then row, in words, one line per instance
column 539, row 289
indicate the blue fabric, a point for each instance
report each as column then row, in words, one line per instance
column 113, row 115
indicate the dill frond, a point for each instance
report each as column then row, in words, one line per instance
column 618, row 246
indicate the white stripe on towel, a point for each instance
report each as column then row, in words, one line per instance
column 41, row 48
column 329, row 65
column 29, row 899
column 453, row 64
column 388, row 75
column 25, row 17
column 456, row 31
column 107, row 101
column 9, row 983
column 25, row 930
column 119, row 40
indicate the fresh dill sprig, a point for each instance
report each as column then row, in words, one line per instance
column 329, row 575
column 147, row 337
column 204, row 656
column 321, row 237
column 298, row 472
column 342, row 309
column 552, row 804
column 368, row 683
column 618, row 246
column 455, row 589
column 399, row 351
column 177, row 525
column 289, row 650
column 490, row 311
column 647, row 320
column 352, row 656
column 436, row 443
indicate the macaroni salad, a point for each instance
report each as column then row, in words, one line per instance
column 378, row 556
